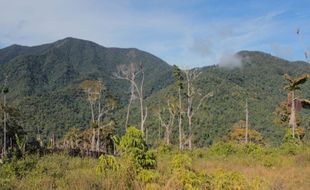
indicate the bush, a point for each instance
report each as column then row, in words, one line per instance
column 181, row 161
column 107, row 163
column 224, row 180
column 148, row 176
column 133, row 147
column 223, row 149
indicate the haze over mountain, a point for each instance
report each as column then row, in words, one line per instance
column 44, row 84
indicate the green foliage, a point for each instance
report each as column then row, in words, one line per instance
column 163, row 148
column 178, row 77
column 107, row 163
column 238, row 134
column 148, row 176
column 181, row 161
column 223, row 180
column 133, row 146
column 18, row 168
column 289, row 139
column 223, row 149
column 44, row 80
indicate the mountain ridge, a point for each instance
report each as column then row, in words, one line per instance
column 44, row 84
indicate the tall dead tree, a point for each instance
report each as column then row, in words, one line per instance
column 94, row 89
column 177, row 73
column 168, row 123
column 4, row 91
column 246, row 121
column 130, row 72
column 191, row 76
column 131, row 99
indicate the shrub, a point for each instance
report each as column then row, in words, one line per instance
column 222, row 180
column 181, row 161
column 226, row 180
column 148, row 176
column 133, row 147
column 107, row 163
column 223, row 149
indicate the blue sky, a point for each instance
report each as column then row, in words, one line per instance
column 188, row 33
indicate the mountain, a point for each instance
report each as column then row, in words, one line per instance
column 44, row 80
column 44, row 85
column 259, row 80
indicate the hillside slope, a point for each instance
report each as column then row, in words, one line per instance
column 44, row 84
column 259, row 79
column 44, row 80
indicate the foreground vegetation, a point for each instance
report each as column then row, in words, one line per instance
column 224, row 165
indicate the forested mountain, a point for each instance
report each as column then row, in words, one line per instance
column 44, row 80
column 259, row 79
column 44, row 85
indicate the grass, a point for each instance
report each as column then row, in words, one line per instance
column 216, row 168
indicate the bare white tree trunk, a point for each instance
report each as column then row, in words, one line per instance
column 93, row 140
column 191, row 76
column 5, row 117
column 132, row 94
column 129, row 73
column 292, row 122
column 180, row 120
column 246, row 121
column 92, row 112
column 167, row 125
column 98, row 140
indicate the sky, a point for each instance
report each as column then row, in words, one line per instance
column 188, row 33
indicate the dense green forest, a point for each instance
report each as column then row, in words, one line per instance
column 45, row 87
column 76, row 115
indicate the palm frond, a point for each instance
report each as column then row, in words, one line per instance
column 301, row 80
column 305, row 103
column 289, row 78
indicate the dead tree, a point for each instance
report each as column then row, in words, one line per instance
column 168, row 123
column 130, row 72
column 177, row 73
column 191, row 76
column 246, row 121
column 94, row 89
column 4, row 91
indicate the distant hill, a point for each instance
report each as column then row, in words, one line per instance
column 44, row 80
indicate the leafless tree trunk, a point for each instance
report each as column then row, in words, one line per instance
column 246, row 121
column 5, row 117
column 167, row 125
column 98, row 140
column 129, row 73
column 132, row 96
column 93, row 140
column 292, row 122
column 92, row 112
column 180, row 120
column 191, row 76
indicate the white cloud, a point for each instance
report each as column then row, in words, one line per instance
column 230, row 61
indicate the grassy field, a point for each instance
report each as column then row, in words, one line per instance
column 221, row 166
